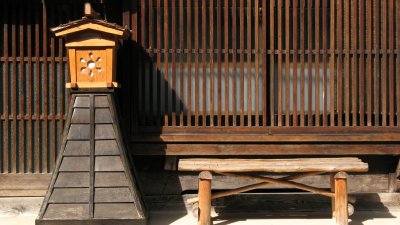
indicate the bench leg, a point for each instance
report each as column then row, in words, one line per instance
column 341, row 212
column 332, row 184
column 204, row 218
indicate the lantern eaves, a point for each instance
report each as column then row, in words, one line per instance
column 91, row 24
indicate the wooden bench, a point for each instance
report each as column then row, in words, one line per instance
column 303, row 167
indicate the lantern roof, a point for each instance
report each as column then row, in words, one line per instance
column 91, row 24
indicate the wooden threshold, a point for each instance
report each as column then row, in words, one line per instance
column 24, row 185
column 240, row 138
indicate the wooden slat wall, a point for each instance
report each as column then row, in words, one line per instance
column 33, row 74
column 256, row 63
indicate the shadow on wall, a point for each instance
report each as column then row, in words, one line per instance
column 161, row 189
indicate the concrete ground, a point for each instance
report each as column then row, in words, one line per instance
column 165, row 218
column 12, row 212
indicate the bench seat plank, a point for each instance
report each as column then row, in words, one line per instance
column 348, row 164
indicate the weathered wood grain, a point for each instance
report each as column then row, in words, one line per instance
column 273, row 165
column 80, row 164
column 70, row 195
column 107, row 179
column 205, row 179
column 341, row 199
column 112, row 194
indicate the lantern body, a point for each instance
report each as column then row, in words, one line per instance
column 92, row 46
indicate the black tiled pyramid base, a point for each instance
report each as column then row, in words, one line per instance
column 92, row 183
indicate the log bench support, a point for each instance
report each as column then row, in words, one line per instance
column 341, row 209
column 204, row 213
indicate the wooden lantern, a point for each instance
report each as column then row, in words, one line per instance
column 91, row 45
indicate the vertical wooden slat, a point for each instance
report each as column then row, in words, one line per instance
column 38, row 155
column 173, row 59
column 226, row 72
column 302, row 56
column 204, row 56
column 272, row 62
column 211, row 15
column 264, row 61
column 325, row 61
column 219, row 62
column 181, row 58
column 391, row 63
column 256, row 60
column 280, row 100
column 295, row 57
column 361, row 75
column 249, row 66
column 61, row 84
column 384, row 84
column 141, row 70
column 287, row 62
column 6, row 153
column 354, row 84
column 398, row 64
column 143, row 61
column 134, row 17
column 234, row 57
column 3, row 148
column 133, row 10
column 46, row 150
column 14, row 101
column 150, row 63
column 189, row 66
column 196, row 41
column 317, row 58
column 241, row 19
column 339, row 30
column 167, row 91
column 68, row 97
column 160, row 85
column 376, row 16
column 53, row 147
column 347, row 73
column 369, row 63
column 30, row 149
column 126, row 101
column 21, row 80
column 2, row 5
column 309, row 63
column 332, row 64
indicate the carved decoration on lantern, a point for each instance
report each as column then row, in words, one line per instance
column 91, row 65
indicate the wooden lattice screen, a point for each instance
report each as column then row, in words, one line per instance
column 295, row 63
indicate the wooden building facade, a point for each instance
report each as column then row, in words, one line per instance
column 208, row 77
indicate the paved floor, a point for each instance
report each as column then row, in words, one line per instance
column 163, row 218
column 12, row 212
column 363, row 218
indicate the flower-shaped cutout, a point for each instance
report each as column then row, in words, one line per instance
column 91, row 65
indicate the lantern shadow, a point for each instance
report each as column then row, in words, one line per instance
column 145, row 103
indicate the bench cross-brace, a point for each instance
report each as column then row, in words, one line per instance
column 338, row 193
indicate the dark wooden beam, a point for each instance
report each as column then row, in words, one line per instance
column 265, row 149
